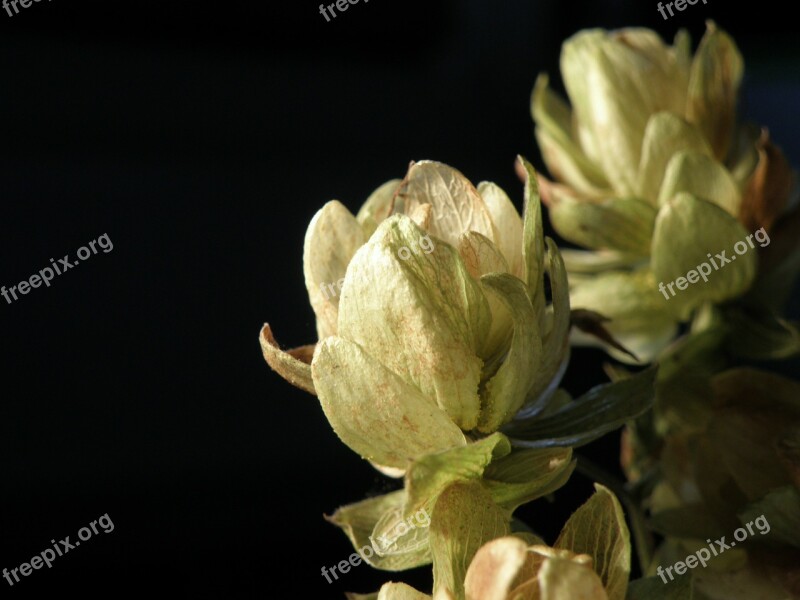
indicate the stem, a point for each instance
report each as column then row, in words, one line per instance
column 643, row 540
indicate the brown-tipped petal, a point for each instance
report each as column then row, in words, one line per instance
column 769, row 188
column 293, row 365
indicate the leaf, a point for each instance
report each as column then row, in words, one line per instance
column 464, row 518
column 375, row 412
column 525, row 475
column 431, row 474
column 654, row 588
column 332, row 238
column 423, row 318
column 602, row 409
column 665, row 136
column 457, row 205
column 716, row 74
column 289, row 364
column 776, row 515
column 688, row 229
column 504, row 394
column 361, row 523
column 598, row 529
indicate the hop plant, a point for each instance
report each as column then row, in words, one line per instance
column 653, row 173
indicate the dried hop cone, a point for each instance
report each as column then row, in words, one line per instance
column 653, row 173
column 433, row 325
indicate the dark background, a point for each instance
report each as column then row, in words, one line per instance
column 202, row 137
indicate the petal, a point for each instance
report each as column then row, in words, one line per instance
column 688, row 230
column 563, row 156
column 332, row 239
column 665, row 136
column 495, row 567
column 615, row 83
column 375, row 412
column 457, row 205
column 414, row 307
column 703, row 177
column 289, row 364
column 464, row 518
column 640, row 317
column 378, row 206
column 598, row 529
column 505, row 393
column 624, row 224
column 362, row 523
column 714, row 87
column 507, row 222
column 564, row 579
column 533, row 241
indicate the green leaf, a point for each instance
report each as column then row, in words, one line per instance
column 653, row 588
column 703, row 177
column 391, row 427
column 424, row 317
column 464, row 518
column 506, row 391
column 525, row 475
column 431, row 474
column 598, row 529
column 624, row 224
column 776, row 516
column 362, row 523
column 688, row 229
column 332, row 238
column 602, row 409
column 665, row 136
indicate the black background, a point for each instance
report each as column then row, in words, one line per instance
column 202, row 137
